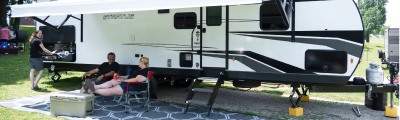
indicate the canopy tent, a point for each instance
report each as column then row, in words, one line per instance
column 64, row 7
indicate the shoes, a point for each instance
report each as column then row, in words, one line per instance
column 85, row 88
column 36, row 88
column 89, row 84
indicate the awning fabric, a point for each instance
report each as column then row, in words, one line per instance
column 64, row 7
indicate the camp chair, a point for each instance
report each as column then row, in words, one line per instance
column 144, row 94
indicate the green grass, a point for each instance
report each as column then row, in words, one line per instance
column 15, row 83
column 10, row 114
column 370, row 55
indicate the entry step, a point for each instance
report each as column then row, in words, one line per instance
column 204, row 90
column 208, row 78
column 197, row 102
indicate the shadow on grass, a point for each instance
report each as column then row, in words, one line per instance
column 66, row 84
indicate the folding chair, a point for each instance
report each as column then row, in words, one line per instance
column 144, row 94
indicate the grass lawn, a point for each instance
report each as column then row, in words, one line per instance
column 15, row 83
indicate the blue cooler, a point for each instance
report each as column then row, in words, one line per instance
column 4, row 44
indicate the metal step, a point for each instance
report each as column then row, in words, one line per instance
column 204, row 90
column 208, row 78
column 197, row 102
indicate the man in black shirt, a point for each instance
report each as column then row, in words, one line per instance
column 105, row 71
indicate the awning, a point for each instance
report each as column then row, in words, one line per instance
column 64, row 7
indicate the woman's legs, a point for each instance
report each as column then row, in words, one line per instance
column 38, row 77
column 107, row 84
column 115, row 90
column 31, row 77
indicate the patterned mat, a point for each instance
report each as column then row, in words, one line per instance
column 108, row 108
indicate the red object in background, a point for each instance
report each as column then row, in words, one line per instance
column 115, row 76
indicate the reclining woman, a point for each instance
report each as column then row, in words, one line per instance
column 118, row 87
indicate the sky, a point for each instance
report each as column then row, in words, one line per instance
column 393, row 14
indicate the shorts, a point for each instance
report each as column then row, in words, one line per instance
column 36, row 63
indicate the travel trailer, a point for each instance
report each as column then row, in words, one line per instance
column 298, row 42
column 304, row 41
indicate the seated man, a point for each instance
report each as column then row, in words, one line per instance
column 105, row 71
column 118, row 87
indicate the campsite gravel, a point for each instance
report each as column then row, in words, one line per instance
column 273, row 106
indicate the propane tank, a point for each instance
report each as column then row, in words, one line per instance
column 374, row 74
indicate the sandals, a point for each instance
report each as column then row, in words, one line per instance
column 89, row 85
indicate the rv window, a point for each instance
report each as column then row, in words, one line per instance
column 65, row 34
column 326, row 61
column 273, row 16
column 185, row 20
column 214, row 16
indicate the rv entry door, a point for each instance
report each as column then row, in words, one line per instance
column 213, row 33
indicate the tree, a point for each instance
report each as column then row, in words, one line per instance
column 373, row 13
column 3, row 12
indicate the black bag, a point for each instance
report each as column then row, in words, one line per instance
column 359, row 81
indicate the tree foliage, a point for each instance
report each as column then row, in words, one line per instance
column 3, row 12
column 374, row 16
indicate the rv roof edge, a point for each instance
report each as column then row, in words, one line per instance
column 112, row 6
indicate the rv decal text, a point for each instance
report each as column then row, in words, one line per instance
column 118, row 16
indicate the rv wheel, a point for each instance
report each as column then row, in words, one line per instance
column 183, row 82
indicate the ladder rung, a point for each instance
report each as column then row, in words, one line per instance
column 208, row 78
column 204, row 90
column 197, row 102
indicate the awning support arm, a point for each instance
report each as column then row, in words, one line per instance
column 66, row 19
column 75, row 17
column 44, row 22
column 46, row 17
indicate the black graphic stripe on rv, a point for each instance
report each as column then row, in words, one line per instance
column 351, row 49
column 355, row 36
column 269, row 61
column 266, row 60
column 165, row 45
column 254, row 65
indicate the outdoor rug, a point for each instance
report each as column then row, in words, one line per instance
column 108, row 108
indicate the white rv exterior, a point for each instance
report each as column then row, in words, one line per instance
column 320, row 27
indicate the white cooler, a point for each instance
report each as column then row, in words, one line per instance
column 72, row 104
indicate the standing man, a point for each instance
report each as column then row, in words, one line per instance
column 105, row 71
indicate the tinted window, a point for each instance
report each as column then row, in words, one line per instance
column 214, row 16
column 327, row 61
column 185, row 20
column 273, row 16
column 64, row 34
